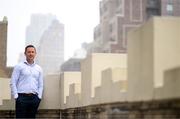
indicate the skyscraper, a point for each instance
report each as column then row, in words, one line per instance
column 38, row 24
column 51, row 49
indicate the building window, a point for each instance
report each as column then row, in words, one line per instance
column 152, row 3
column 120, row 7
column 169, row 7
column 170, row 1
column 105, row 7
column 112, row 40
column 118, row 3
column 101, row 12
column 153, row 8
column 111, row 28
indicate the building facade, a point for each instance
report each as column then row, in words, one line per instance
column 4, row 70
column 117, row 17
column 3, row 46
column 38, row 24
column 51, row 49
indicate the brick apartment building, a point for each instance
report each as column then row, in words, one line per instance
column 117, row 17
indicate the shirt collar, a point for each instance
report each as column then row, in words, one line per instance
column 26, row 62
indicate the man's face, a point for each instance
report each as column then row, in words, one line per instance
column 30, row 54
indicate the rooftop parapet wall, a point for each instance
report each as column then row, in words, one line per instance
column 1, row 94
column 5, row 92
column 140, row 63
column 74, row 98
column 50, row 99
column 67, row 80
column 171, row 88
column 91, row 69
column 166, row 46
column 5, row 95
column 152, row 50
column 113, row 87
column 51, row 94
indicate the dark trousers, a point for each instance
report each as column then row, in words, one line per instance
column 26, row 106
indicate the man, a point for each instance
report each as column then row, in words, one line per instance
column 27, row 85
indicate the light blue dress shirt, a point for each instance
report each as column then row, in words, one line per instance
column 27, row 78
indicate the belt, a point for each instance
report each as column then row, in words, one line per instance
column 26, row 94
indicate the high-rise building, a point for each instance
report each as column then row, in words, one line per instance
column 117, row 17
column 51, row 49
column 3, row 46
column 3, row 42
column 38, row 24
column 4, row 70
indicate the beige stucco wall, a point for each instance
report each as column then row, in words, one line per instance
column 113, row 86
column 1, row 93
column 91, row 69
column 6, row 91
column 51, row 94
column 167, row 43
column 166, row 46
column 5, row 95
column 86, row 75
column 67, row 79
column 152, row 50
column 50, row 99
column 5, row 88
column 140, row 62
column 171, row 88
column 74, row 98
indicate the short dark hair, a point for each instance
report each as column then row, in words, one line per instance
column 28, row 46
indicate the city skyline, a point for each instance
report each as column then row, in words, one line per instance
column 79, row 17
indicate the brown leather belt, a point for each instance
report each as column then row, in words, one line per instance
column 26, row 94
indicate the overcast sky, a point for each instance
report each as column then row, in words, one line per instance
column 79, row 17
